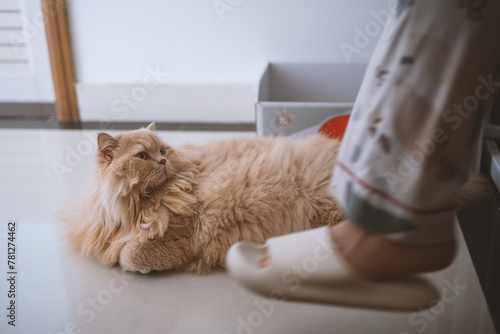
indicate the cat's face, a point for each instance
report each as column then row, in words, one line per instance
column 140, row 159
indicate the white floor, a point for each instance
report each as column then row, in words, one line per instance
column 58, row 291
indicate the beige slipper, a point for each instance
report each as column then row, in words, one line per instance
column 305, row 266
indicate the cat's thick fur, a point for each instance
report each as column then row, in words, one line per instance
column 151, row 207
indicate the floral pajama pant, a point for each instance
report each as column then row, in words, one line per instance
column 412, row 136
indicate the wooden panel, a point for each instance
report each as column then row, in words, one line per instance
column 61, row 61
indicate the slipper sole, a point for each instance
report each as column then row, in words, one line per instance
column 306, row 266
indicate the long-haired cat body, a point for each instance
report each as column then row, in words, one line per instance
column 152, row 207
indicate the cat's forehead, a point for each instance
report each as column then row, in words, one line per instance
column 141, row 140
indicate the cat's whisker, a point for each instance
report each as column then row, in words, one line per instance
column 143, row 190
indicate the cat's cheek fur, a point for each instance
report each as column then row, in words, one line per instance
column 133, row 171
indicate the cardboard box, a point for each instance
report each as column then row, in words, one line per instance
column 300, row 99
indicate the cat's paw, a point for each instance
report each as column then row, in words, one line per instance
column 132, row 260
column 171, row 251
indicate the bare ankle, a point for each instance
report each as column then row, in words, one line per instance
column 374, row 257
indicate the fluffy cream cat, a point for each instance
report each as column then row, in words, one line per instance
column 152, row 207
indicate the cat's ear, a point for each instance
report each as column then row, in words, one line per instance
column 106, row 145
column 151, row 127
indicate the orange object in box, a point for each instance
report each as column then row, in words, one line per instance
column 335, row 127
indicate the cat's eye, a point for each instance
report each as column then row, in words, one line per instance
column 163, row 151
column 142, row 155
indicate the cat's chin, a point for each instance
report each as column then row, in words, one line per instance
column 160, row 175
column 159, row 178
column 163, row 176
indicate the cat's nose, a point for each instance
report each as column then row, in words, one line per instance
column 163, row 161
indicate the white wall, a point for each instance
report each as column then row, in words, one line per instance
column 116, row 41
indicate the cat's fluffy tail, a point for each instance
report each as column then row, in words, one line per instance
column 474, row 190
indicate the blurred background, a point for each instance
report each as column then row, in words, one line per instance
column 169, row 61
